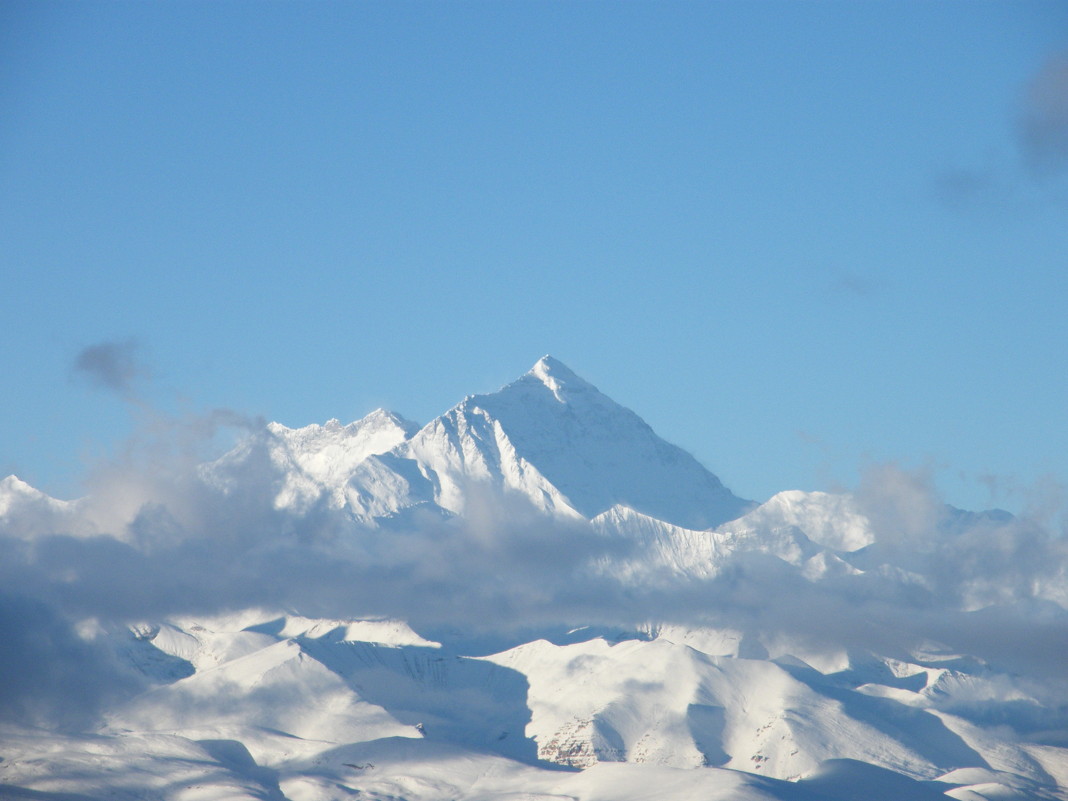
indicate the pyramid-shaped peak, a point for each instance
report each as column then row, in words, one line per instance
column 550, row 365
column 595, row 452
column 557, row 376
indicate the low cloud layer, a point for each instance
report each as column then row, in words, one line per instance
column 154, row 540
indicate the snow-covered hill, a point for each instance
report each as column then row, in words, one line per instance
column 278, row 707
column 531, row 597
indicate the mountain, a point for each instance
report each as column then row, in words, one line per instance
column 531, row 597
column 559, row 441
column 550, row 437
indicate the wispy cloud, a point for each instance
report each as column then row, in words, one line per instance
column 854, row 283
column 1043, row 125
column 111, row 365
column 958, row 187
column 1022, row 178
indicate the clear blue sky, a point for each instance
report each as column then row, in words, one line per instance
column 796, row 238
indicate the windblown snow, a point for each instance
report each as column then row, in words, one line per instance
column 533, row 596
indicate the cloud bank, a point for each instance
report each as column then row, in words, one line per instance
column 154, row 540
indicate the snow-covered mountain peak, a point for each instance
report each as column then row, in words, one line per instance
column 557, row 377
column 555, row 438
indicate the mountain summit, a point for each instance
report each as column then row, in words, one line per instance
column 594, row 452
column 557, row 376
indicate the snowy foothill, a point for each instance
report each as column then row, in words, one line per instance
column 532, row 596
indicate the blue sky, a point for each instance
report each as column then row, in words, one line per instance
column 796, row 238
